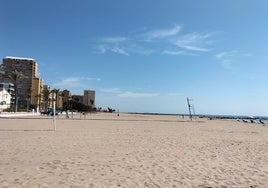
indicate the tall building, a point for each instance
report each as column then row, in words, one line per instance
column 30, row 86
column 89, row 98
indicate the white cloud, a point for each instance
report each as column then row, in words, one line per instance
column 119, row 51
column 178, row 53
column 114, row 39
column 224, row 55
column 226, row 58
column 136, row 95
column 128, row 94
column 111, row 90
column 156, row 41
column 162, row 33
column 195, row 48
column 141, row 50
column 168, row 52
column 194, row 42
column 103, row 49
column 66, row 81
column 90, row 79
column 111, row 44
column 74, row 82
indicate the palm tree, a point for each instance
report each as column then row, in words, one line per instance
column 16, row 77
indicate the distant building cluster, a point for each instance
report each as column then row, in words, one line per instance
column 28, row 91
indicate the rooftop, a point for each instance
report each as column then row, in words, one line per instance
column 21, row 58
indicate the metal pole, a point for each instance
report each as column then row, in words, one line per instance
column 189, row 106
column 54, row 112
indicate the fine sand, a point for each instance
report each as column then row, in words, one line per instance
column 106, row 150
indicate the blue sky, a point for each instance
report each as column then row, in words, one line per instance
column 147, row 56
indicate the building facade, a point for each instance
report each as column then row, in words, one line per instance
column 36, row 97
column 6, row 95
column 9, row 87
column 66, row 98
column 30, row 86
column 78, row 98
column 89, row 98
column 5, row 99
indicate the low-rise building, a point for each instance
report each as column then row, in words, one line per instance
column 5, row 99
column 7, row 95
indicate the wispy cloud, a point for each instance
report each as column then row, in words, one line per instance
column 159, row 41
column 128, row 94
column 224, row 55
column 154, row 34
column 74, row 82
column 111, row 44
column 104, row 48
column 226, row 58
column 114, row 39
column 119, row 50
column 178, row 53
column 194, row 42
column 111, row 90
column 168, row 52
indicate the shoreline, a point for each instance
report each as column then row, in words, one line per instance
column 115, row 116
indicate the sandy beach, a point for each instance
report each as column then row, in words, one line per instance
column 104, row 150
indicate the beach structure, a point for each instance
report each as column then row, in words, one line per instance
column 191, row 108
column 30, row 86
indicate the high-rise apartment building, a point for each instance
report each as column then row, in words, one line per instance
column 30, row 86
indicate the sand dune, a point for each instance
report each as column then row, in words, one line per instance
column 103, row 150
